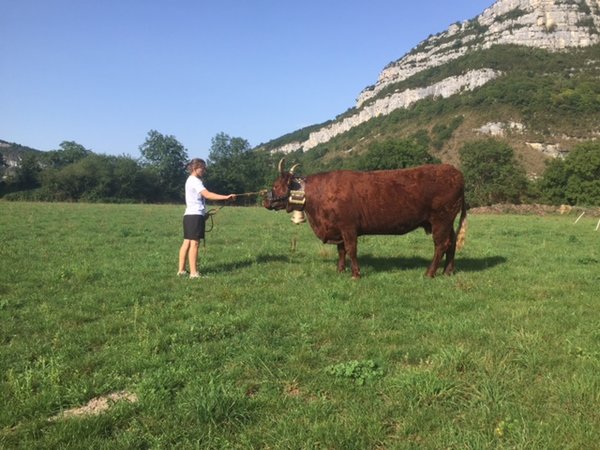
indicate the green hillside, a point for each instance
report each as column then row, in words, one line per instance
column 555, row 96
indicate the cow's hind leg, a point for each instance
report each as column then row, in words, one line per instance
column 341, row 266
column 442, row 239
column 350, row 246
column 449, row 265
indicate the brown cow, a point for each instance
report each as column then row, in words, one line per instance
column 343, row 205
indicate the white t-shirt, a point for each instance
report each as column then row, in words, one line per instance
column 194, row 201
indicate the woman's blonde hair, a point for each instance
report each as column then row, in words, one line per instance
column 195, row 164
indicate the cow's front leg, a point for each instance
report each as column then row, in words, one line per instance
column 341, row 266
column 350, row 245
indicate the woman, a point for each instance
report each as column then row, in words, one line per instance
column 194, row 217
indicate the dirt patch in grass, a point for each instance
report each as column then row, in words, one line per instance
column 97, row 405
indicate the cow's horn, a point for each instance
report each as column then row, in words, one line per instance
column 293, row 168
column 280, row 167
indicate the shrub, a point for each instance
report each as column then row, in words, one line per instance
column 492, row 175
column 576, row 179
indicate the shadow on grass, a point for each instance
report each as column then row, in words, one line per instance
column 462, row 264
column 380, row 264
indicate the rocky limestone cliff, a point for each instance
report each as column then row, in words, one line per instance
column 549, row 24
column 12, row 155
column 443, row 89
column 10, row 158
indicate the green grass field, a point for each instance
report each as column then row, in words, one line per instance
column 275, row 350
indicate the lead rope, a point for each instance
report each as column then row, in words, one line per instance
column 211, row 212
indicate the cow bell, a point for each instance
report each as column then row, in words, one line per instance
column 298, row 217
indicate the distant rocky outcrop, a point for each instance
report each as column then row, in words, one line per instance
column 549, row 24
column 554, row 25
column 10, row 157
column 384, row 106
column 12, row 154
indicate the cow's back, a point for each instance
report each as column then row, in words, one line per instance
column 381, row 202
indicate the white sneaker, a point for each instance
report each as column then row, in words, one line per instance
column 195, row 275
column 182, row 273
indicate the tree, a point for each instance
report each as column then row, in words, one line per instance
column 27, row 175
column 395, row 154
column 132, row 182
column 583, row 167
column 101, row 178
column 553, row 184
column 234, row 167
column 576, row 179
column 492, row 175
column 85, row 179
column 70, row 152
column 3, row 166
column 166, row 158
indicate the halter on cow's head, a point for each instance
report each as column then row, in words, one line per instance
column 287, row 191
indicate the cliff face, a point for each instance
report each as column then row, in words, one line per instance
column 554, row 25
column 386, row 105
column 549, row 24
column 11, row 154
column 10, row 158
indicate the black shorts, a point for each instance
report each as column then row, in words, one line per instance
column 193, row 227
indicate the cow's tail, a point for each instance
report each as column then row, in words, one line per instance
column 461, row 231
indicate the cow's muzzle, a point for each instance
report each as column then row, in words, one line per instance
column 271, row 201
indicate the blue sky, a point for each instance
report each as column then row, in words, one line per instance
column 104, row 73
